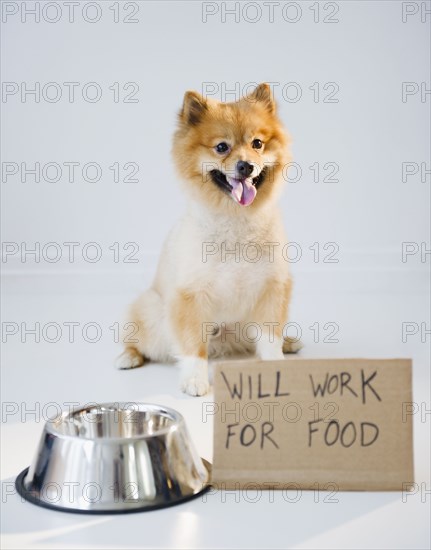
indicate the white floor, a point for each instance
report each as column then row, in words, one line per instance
column 37, row 374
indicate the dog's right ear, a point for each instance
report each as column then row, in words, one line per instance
column 264, row 95
column 194, row 107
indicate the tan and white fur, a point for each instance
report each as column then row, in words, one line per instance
column 214, row 294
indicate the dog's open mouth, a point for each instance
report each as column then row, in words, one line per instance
column 243, row 191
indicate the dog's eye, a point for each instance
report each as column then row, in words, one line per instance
column 256, row 144
column 222, row 147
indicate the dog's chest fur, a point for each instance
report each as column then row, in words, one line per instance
column 229, row 258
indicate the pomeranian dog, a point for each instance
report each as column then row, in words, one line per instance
column 222, row 286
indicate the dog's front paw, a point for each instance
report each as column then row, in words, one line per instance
column 195, row 385
column 194, row 376
column 129, row 359
column 269, row 350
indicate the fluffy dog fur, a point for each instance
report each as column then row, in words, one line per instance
column 208, row 286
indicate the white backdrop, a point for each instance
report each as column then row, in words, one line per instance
column 352, row 84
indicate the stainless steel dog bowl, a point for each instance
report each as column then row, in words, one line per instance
column 114, row 458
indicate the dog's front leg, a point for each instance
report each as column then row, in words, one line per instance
column 271, row 314
column 188, row 313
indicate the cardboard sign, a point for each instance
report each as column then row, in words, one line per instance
column 337, row 424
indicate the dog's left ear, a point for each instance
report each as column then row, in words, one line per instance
column 264, row 95
column 194, row 107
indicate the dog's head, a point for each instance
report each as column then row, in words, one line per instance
column 231, row 155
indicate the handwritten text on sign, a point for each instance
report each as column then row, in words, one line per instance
column 313, row 421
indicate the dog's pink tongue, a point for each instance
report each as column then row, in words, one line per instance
column 243, row 191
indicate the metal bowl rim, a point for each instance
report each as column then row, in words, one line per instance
column 176, row 416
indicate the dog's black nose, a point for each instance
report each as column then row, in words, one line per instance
column 243, row 168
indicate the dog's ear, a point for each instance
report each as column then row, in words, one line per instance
column 194, row 107
column 263, row 95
